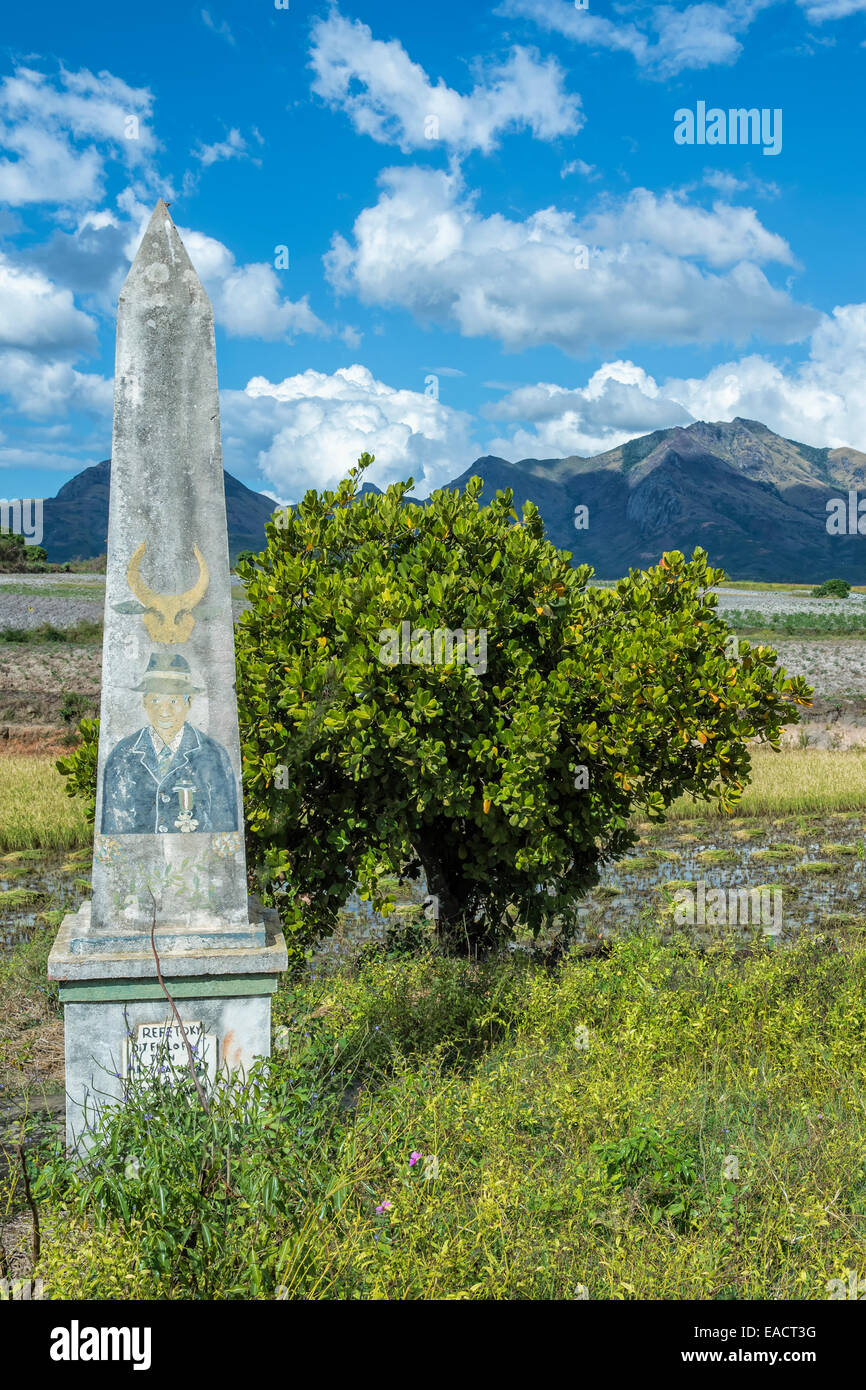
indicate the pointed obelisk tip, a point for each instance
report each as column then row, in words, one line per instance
column 161, row 245
column 161, row 221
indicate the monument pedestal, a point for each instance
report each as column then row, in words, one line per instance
column 116, row 1014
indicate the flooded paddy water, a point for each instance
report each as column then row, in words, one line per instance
column 816, row 863
column 36, row 889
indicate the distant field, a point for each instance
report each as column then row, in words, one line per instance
column 29, row 589
column 792, row 782
column 758, row 585
column 754, row 621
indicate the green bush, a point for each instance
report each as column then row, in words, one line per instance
column 17, row 556
column 74, row 706
column 355, row 768
column 79, row 768
column 832, row 588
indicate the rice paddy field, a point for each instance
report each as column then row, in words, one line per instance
column 585, row 1119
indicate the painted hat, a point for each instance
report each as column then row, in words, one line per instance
column 168, row 675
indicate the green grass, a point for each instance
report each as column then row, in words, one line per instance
column 566, row 1159
column 758, row 585
column 93, row 590
column 585, row 1125
column 35, row 810
column 19, row 897
column 13, row 871
column 777, row 854
column 82, row 633
column 755, row 623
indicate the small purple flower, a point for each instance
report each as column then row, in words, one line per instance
column 413, row 1158
column 383, row 1207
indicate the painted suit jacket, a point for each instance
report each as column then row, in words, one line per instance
column 137, row 800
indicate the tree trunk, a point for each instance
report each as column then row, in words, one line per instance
column 450, row 903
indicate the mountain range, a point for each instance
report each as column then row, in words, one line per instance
column 757, row 502
column 75, row 522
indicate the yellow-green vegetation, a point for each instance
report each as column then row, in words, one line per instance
column 19, row 897
column 659, row 1123
column 96, row 1262
column 818, row 866
column 793, row 781
column 28, row 1002
column 716, row 856
column 777, row 854
column 758, row 585
column 34, row 808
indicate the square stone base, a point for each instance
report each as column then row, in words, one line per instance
column 108, row 996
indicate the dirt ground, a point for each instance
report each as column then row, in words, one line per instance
column 34, row 681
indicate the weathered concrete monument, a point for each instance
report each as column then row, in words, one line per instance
column 168, row 854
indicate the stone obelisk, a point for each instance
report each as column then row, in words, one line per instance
column 168, row 836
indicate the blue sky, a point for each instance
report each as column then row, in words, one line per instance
column 433, row 171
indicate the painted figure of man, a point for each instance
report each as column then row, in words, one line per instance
column 168, row 777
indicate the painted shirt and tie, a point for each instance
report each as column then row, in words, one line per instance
column 169, row 777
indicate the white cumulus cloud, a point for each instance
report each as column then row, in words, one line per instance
column 818, row 401
column 390, row 98
column 37, row 315
column 57, row 133
column 247, row 299
column 47, row 390
column 308, row 430
column 818, row 11
column 658, row 269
